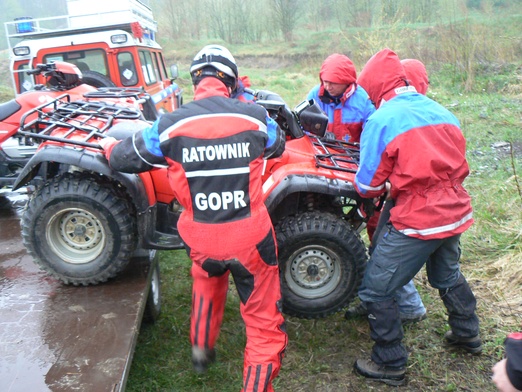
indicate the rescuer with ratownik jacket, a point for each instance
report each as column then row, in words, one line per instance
column 214, row 148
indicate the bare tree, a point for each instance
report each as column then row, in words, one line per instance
column 355, row 13
column 286, row 14
column 179, row 18
column 218, row 18
column 320, row 12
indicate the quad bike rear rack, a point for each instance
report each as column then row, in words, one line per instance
column 86, row 121
column 337, row 154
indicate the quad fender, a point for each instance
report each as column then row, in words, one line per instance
column 308, row 183
column 87, row 160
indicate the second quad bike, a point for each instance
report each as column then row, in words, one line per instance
column 83, row 225
column 63, row 82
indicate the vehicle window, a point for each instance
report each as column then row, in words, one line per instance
column 147, row 67
column 25, row 82
column 86, row 60
column 127, row 69
column 157, row 64
column 162, row 66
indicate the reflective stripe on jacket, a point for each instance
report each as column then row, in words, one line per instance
column 214, row 149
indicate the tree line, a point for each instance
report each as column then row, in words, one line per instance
column 247, row 21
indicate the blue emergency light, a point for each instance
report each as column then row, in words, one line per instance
column 25, row 25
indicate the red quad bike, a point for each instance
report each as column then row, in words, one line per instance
column 83, row 225
column 63, row 84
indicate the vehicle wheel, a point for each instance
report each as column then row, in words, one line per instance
column 79, row 230
column 96, row 79
column 322, row 261
column 153, row 304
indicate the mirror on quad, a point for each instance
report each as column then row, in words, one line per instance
column 312, row 118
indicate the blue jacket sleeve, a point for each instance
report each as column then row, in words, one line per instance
column 275, row 144
column 272, row 129
column 373, row 172
column 139, row 152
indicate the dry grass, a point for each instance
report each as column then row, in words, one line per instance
column 505, row 288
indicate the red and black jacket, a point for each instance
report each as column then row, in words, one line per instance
column 214, row 150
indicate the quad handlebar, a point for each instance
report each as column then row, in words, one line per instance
column 41, row 69
column 305, row 117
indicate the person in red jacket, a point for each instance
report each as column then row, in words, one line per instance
column 414, row 145
column 507, row 373
column 345, row 103
column 214, row 148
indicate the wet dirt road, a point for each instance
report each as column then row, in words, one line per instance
column 63, row 338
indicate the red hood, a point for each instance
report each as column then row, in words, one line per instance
column 211, row 87
column 416, row 74
column 382, row 76
column 245, row 81
column 338, row 68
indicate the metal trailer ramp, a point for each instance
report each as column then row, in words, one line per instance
column 55, row 337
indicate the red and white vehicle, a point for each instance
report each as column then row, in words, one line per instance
column 113, row 47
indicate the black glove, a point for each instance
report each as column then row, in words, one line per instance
column 329, row 136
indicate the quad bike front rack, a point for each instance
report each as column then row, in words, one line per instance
column 336, row 154
column 79, row 123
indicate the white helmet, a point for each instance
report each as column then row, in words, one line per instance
column 216, row 61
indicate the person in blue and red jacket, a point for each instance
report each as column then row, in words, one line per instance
column 410, row 304
column 214, row 148
column 415, row 147
column 347, row 106
column 507, row 373
column 345, row 103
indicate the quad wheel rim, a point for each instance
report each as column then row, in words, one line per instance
column 313, row 272
column 75, row 235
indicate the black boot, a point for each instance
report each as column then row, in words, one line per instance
column 385, row 374
column 471, row 345
column 461, row 304
column 356, row 311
